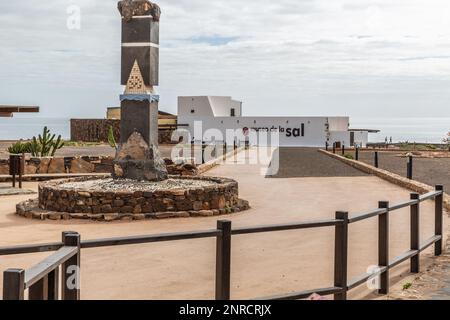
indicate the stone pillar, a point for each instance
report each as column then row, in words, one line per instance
column 138, row 156
column 140, row 41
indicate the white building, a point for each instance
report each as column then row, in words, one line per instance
column 223, row 114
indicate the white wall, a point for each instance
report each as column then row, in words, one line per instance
column 214, row 113
column 361, row 138
column 208, row 106
column 200, row 105
column 315, row 134
column 237, row 105
column 339, row 123
column 340, row 136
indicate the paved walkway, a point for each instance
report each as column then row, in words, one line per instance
column 308, row 162
column 262, row 264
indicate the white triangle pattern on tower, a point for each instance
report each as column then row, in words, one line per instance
column 135, row 84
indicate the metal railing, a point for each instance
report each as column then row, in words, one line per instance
column 43, row 276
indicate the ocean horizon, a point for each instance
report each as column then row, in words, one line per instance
column 423, row 130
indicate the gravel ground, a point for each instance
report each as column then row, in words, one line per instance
column 308, row 162
column 106, row 185
column 426, row 170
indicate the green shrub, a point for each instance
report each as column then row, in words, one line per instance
column 20, row 147
column 111, row 139
column 349, row 156
column 407, row 286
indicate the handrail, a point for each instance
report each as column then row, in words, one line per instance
column 34, row 248
column 431, row 195
column 22, row 249
column 404, row 205
column 368, row 215
column 46, row 272
column 303, row 294
column 358, row 280
column 285, row 227
column 37, row 272
column 429, row 242
column 120, row 241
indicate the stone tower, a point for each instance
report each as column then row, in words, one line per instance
column 138, row 157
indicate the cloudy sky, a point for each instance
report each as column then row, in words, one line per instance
column 281, row 57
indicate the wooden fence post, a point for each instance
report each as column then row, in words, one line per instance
column 383, row 247
column 343, row 149
column 223, row 261
column 415, row 232
column 438, row 203
column 71, row 268
column 53, row 284
column 341, row 255
column 357, row 154
column 14, row 284
column 334, row 148
column 376, row 159
column 39, row 290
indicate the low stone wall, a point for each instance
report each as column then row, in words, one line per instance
column 56, row 203
column 86, row 165
column 96, row 130
column 59, row 165
column 93, row 130
column 412, row 185
column 4, row 166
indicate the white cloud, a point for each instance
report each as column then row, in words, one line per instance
column 355, row 57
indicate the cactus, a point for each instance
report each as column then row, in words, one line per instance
column 111, row 139
column 46, row 142
column 35, row 147
column 58, row 144
column 45, row 145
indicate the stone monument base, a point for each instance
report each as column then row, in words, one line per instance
column 136, row 160
column 108, row 200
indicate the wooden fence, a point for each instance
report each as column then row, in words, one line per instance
column 42, row 280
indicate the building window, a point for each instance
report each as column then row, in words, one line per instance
column 233, row 112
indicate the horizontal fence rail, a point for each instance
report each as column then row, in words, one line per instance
column 42, row 279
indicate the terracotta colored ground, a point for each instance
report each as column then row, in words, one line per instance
column 263, row 264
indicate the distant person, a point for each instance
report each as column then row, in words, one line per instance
column 386, row 140
column 390, row 140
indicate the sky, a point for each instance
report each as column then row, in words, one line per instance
column 381, row 58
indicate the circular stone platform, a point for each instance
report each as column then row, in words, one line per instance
column 108, row 199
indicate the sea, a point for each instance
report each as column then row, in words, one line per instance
column 420, row 130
